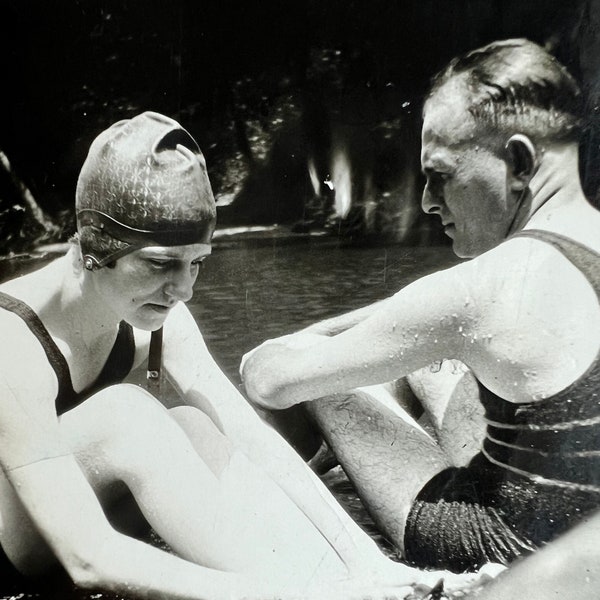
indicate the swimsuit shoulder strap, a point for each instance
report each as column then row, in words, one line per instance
column 582, row 257
column 117, row 366
column 55, row 356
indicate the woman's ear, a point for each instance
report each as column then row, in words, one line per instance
column 523, row 161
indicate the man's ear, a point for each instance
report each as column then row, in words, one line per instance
column 523, row 161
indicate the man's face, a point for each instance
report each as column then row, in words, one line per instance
column 466, row 179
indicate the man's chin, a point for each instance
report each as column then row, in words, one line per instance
column 463, row 250
column 462, row 254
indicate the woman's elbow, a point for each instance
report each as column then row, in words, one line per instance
column 92, row 567
column 86, row 573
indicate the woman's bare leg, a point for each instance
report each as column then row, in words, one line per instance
column 225, row 514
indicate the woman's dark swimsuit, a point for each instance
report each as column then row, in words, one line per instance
column 116, row 368
column 538, row 472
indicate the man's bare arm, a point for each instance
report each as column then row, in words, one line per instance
column 340, row 323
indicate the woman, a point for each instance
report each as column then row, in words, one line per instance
column 83, row 453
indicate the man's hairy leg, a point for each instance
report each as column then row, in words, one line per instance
column 383, row 450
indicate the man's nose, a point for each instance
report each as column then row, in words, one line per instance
column 429, row 203
column 181, row 285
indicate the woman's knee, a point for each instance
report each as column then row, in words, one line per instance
column 122, row 424
column 213, row 447
column 122, row 400
column 111, row 406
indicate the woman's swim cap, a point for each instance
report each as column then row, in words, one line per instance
column 143, row 183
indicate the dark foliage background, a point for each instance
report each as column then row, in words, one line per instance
column 269, row 89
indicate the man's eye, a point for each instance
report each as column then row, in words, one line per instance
column 198, row 263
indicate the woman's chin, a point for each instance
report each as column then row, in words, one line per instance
column 150, row 317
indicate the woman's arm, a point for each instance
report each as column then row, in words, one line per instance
column 202, row 384
column 66, row 512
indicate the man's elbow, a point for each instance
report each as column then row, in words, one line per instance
column 266, row 380
column 263, row 394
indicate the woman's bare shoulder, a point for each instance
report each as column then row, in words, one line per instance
column 35, row 288
column 24, row 365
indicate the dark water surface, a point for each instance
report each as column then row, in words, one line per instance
column 249, row 291
column 253, row 289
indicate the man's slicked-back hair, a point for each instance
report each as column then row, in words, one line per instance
column 515, row 86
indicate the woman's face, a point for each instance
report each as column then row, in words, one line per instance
column 146, row 284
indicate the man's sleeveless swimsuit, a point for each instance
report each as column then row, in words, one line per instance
column 537, row 474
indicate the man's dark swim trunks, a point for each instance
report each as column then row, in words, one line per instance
column 538, row 472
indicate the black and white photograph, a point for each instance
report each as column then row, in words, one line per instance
column 300, row 300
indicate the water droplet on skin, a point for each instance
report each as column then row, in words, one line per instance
column 394, row 325
column 460, row 329
column 416, row 336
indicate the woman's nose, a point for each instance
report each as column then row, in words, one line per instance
column 181, row 285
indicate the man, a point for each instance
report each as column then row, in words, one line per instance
column 500, row 154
